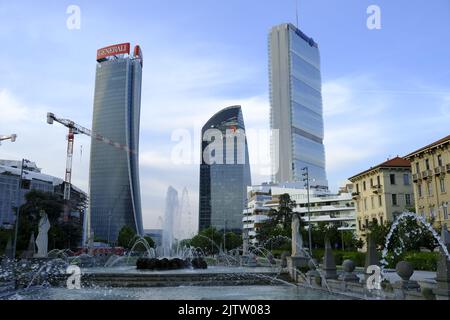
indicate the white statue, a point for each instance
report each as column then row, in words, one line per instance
column 297, row 241
column 42, row 238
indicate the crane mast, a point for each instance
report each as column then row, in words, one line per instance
column 11, row 137
column 75, row 129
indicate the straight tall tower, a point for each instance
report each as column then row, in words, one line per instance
column 296, row 114
column 114, row 188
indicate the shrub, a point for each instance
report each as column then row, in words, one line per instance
column 422, row 260
column 428, row 294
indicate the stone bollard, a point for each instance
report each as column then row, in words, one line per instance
column 442, row 290
column 405, row 270
column 329, row 265
column 371, row 256
column 349, row 275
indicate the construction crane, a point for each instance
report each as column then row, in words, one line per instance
column 11, row 137
column 73, row 130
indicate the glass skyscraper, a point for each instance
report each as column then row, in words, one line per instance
column 296, row 107
column 114, row 188
column 224, row 171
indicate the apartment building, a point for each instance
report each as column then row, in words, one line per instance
column 382, row 192
column 430, row 167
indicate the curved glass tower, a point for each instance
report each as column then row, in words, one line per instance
column 296, row 106
column 114, row 188
column 224, row 171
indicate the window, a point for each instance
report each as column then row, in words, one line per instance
column 372, row 202
column 417, row 167
column 371, row 182
column 427, row 164
column 365, row 203
column 357, row 187
column 439, row 159
column 367, row 223
column 392, row 178
column 432, row 213
column 394, row 200
column 359, row 224
column 364, row 186
column 406, row 179
column 445, row 209
column 378, row 181
column 381, row 220
column 408, row 199
column 380, row 201
column 442, row 184
column 430, row 189
column 419, row 190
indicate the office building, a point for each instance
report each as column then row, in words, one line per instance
column 224, row 171
column 296, row 115
column 114, row 189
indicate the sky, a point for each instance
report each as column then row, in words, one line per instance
column 386, row 92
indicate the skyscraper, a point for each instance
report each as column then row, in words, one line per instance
column 114, row 189
column 296, row 106
column 224, row 171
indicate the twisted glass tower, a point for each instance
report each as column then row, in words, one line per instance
column 224, row 171
column 114, row 188
column 296, row 107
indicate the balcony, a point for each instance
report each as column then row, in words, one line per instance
column 427, row 174
column 356, row 195
column 377, row 189
column 439, row 170
column 416, row 177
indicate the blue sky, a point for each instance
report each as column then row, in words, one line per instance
column 386, row 92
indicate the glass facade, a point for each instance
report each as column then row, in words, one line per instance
column 114, row 172
column 296, row 105
column 223, row 183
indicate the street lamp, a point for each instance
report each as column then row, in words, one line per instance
column 306, row 180
column 109, row 226
column 18, row 208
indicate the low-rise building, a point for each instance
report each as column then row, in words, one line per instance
column 32, row 179
column 381, row 193
column 324, row 207
column 431, row 177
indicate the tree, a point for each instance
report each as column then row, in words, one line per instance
column 150, row 241
column 126, row 236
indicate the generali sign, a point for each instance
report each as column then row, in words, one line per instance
column 122, row 48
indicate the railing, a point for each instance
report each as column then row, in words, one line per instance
column 439, row 170
column 426, row 174
column 416, row 177
column 377, row 188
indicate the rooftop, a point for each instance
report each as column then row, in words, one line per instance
column 432, row 145
column 396, row 162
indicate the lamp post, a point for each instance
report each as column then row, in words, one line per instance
column 109, row 226
column 306, row 180
column 16, row 232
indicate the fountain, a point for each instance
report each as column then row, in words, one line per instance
column 394, row 226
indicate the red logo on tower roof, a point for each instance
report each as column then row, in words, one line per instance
column 122, row 48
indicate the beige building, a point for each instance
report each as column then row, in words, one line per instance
column 381, row 193
column 431, row 176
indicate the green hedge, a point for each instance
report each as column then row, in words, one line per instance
column 426, row 261
column 422, row 260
